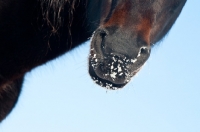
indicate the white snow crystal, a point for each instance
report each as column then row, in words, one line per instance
column 113, row 75
column 121, row 74
column 119, row 69
column 133, row 60
column 112, row 67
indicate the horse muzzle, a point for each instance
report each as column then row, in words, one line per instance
column 114, row 59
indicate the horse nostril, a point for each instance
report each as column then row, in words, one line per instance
column 103, row 34
column 143, row 51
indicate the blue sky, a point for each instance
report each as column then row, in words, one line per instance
column 164, row 97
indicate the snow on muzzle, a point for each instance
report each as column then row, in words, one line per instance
column 114, row 60
column 113, row 71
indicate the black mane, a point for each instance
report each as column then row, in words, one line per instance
column 54, row 12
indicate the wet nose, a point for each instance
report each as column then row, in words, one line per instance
column 144, row 50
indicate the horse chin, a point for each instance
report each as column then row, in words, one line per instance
column 106, row 82
column 113, row 72
column 112, row 81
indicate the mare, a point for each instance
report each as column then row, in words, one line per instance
column 33, row 32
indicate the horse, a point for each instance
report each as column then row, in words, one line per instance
column 36, row 31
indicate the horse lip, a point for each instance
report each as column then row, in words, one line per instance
column 104, row 82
